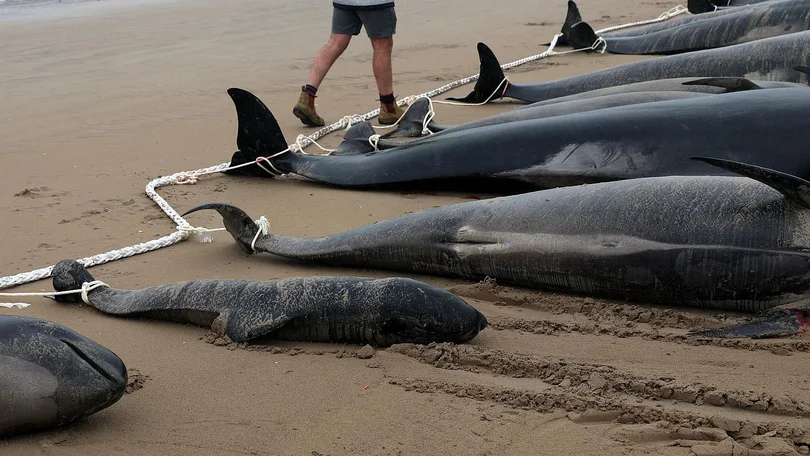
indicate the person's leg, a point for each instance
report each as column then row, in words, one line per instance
column 326, row 57
column 381, row 26
column 383, row 71
column 344, row 25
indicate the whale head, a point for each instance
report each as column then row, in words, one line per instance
column 51, row 375
column 415, row 312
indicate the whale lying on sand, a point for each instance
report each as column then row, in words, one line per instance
column 782, row 58
column 734, row 242
column 761, row 127
column 51, row 376
column 712, row 30
column 314, row 309
column 413, row 124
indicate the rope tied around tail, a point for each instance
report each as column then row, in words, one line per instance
column 86, row 288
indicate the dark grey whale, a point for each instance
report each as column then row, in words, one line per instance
column 313, row 309
column 51, row 376
column 734, row 26
column 762, row 127
column 411, row 124
column 731, row 242
column 782, row 58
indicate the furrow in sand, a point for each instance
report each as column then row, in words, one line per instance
column 686, row 428
column 598, row 381
column 603, row 311
column 550, row 327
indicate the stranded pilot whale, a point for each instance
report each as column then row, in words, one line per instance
column 51, row 376
column 313, row 309
column 713, row 30
column 733, row 242
column 782, row 58
column 761, row 127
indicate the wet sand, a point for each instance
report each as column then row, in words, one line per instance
column 100, row 98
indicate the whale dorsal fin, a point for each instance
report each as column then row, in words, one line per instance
column 730, row 84
column 793, row 187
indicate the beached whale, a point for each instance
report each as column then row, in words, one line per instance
column 313, row 309
column 733, row 242
column 715, row 29
column 412, row 124
column 51, row 376
column 762, row 127
column 782, row 58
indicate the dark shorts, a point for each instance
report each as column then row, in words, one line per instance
column 379, row 23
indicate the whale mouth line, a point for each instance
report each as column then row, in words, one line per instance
column 89, row 361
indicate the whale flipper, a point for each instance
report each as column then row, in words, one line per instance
column 582, row 36
column 355, row 141
column 794, row 188
column 259, row 134
column 491, row 77
column 700, row 6
column 410, row 125
column 728, row 83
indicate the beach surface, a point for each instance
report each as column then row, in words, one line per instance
column 98, row 98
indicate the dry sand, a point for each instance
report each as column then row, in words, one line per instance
column 99, row 98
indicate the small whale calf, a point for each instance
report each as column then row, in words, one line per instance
column 51, row 376
column 313, row 309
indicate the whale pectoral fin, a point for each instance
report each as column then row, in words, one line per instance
column 778, row 322
column 794, row 188
column 730, row 84
column 257, row 326
column 491, row 77
column 411, row 124
column 259, row 134
column 803, row 69
column 582, row 36
column 356, row 140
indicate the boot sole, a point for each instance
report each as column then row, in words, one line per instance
column 298, row 112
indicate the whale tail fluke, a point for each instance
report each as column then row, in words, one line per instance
column 582, row 36
column 776, row 322
column 490, row 79
column 236, row 221
column 259, row 134
column 411, row 124
column 700, row 6
column 356, row 140
column 69, row 275
column 794, row 188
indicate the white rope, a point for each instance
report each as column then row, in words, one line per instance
column 185, row 230
column 264, row 229
column 86, row 288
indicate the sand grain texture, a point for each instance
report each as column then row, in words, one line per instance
column 101, row 97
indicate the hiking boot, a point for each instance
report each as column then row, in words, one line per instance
column 386, row 117
column 305, row 110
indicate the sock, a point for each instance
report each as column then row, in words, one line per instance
column 388, row 101
column 311, row 90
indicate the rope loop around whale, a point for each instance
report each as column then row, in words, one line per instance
column 185, row 230
column 86, row 288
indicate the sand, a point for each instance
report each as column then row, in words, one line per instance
column 100, row 97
